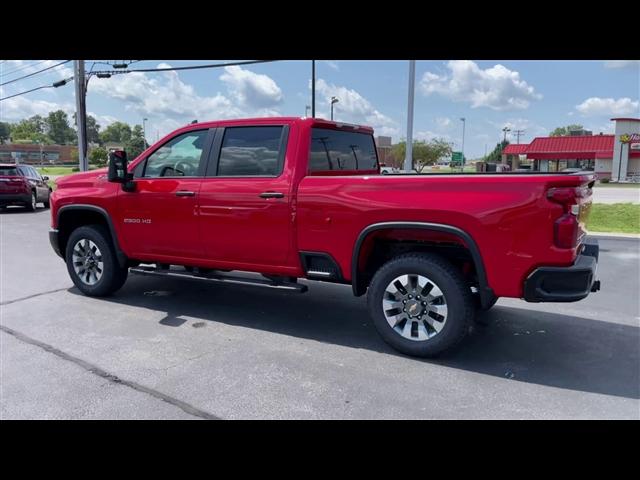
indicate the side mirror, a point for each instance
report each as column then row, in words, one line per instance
column 118, row 170
column 117, row 166
column 45, row 178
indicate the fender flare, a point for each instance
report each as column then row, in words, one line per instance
column 486, row 293
column 120, row 255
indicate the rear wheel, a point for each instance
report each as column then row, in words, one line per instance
column 92, row 263
column 420, row 304
column 32, row 205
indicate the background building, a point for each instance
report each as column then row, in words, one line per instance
column 38, row 154
column 616, row 156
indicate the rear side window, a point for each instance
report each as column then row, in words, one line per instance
column 340, row 150
column 252, row 151
column 9, row 171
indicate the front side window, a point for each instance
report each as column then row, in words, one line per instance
column 251, row 151
column 179, row 157
column 340, row 150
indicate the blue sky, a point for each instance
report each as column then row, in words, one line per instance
column 536, row 96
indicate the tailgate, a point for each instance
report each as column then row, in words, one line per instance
column 11, row 184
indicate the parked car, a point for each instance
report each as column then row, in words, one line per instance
column 298, row 198
column 23, row 185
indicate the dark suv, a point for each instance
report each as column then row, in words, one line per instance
column 23, row 185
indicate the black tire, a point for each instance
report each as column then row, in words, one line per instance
column 31, row 206
column 454, row 287
column 113, row 275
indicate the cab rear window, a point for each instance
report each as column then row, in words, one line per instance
column 333, row 150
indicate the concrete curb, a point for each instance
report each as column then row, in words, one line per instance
column 614, row 235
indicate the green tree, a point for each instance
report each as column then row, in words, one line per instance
column 30, row 130
column 118, row 132
column 98, row 156
column 5, row 131
column 496, row 154
column 564, row 131
column 93, row 129
column 424, row 153
column 136, row 144
column 58, row 128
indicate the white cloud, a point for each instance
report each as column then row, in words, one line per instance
column 622, row 63
column 354, row 108
column 430, row 135
column 609, row 106
column 251, row 90
column 497, row 87
column 18, row 108
column 169, row 103
column 443, row 122
column 333, row 65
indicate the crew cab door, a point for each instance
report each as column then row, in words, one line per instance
column 159, row 218
column 245, row 201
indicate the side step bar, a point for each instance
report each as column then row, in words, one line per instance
column 215, row 277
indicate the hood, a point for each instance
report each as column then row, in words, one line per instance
column 83, row 178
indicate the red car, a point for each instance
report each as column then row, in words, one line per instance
column 295, row 198
column 23, row 185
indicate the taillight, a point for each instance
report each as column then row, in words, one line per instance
column 566, row 229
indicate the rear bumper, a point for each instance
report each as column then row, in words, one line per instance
column 565, row 284
column 54, row 241
column 15, row 198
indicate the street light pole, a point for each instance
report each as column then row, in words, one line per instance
column 313, row 88
column 505, row 130
column 408, row 159
column 463, row 125
column 144, row 132
column 333, row 100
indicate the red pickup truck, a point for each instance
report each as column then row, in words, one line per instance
column 293, row 198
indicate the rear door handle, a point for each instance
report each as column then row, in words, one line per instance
column 185, row 193
column 271, row 195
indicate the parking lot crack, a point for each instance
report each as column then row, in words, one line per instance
column 114, row 379
column 28, row 297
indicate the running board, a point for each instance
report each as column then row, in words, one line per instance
column 214, row 277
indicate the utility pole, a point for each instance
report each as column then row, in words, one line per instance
column 306, row 110
column 408, row 159
column 517, row 134
column 313, row 88
column 81, row 113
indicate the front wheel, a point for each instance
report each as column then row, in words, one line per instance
column 420, row 304
column 92, row 263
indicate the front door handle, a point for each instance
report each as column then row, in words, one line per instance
column 271, row 195
column 185, row 193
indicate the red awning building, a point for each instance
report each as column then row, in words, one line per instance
column 609, row 156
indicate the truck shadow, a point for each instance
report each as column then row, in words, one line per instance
column 520, row 344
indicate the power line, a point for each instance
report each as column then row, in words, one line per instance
column 24, row 67
column 57, row 84
column 106, row 74
column 34, row 73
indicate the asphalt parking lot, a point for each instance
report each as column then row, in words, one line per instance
column 173, row 349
